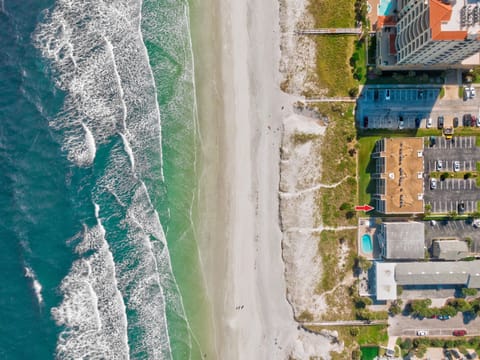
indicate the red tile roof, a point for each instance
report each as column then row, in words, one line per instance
column 440, row 12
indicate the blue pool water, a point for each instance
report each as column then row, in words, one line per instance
column 367, row 246
column 385, row 8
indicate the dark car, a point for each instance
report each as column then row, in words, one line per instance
column 467, row 120
column 440, row 123
column 461, row 207
column 365, row 122
column 375, row 94
column 472, row 355
column 417, row 122
column 455, row 122
column 459, row 332
column 455, row 353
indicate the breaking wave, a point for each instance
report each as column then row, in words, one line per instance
column 116, row 294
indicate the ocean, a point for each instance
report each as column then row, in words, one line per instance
column 98, row 157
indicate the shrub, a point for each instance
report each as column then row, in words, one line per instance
column 354, row 331
column 469, row 292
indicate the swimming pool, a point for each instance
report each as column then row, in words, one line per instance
column 367, row 245
column 385, row 7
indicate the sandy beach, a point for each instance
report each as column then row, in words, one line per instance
column 241, row 116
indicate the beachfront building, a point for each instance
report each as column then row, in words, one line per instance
column 430, row 33
column 402, row 240
column 451, row 250
column 418, row 275
column 399, row 176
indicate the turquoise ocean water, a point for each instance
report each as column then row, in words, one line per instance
column 98, row 253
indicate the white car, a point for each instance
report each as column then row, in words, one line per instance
column 456, row 166
column 439, row 165
column 429, row 123
column 466, row 93
column 433, row 183
column 401, row 124
column 422, row 332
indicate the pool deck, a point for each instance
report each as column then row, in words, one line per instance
column 368, row 226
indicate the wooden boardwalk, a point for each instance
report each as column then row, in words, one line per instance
column 330, row 31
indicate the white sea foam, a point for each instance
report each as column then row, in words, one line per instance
column 128, row 150
column 37, row 287
column 92, row 310
column 99, row 60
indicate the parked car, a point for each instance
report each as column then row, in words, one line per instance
column 401, row 124
column 474, row 120
column 466, row 93
column 440, row 123
column 429, row 123
column 472, row 92
column 422, row 332
column 459, row 332
column 375, row 94
column 455, row 353
column 417, row 122
column 456, row 165
column 387, row 94
column 478, row 122
column 472, row 356
column 467, row 120
column 455, row 122
column 433, row 183
column 443, row 317
column 439, row 165
column 365, row 122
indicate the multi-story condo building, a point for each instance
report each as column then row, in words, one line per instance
column 433, row 33
column 399, row 176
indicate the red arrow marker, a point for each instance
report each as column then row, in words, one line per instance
column 364, row 208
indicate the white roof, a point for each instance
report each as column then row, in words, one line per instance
column 386, row 286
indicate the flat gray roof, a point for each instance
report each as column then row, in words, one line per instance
column 404, row 240
column 438, row 273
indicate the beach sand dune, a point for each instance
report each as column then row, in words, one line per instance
column 242, row 238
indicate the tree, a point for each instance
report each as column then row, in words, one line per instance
column 444, row 176
column 354, row 331
column 394, row 309
column 406, row 344
column 363, row 263
column 353, row 92
column 469, row 292
column 467, row 175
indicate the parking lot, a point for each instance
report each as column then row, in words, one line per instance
column 383, row 105
column 448, row 229
column 451, row 194
column 396, row 95
column 408, row 326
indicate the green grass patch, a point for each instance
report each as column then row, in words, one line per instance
column 461, row 90
column 355, row 336
column 338, row 151
column 333, row 69
column 329, row 248
column 442, row 92
column 326, row 13
column 338, row 204
column 366, row 167
column 373, row 335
